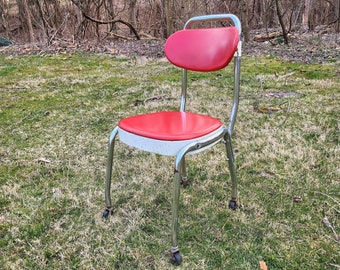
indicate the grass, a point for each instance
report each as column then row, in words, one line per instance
column 57, row 112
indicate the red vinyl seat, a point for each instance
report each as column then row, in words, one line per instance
column 170, row 125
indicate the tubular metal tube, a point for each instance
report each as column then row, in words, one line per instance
column 184, row 89
column 109, row 168
column 179, row 170
column 215, row 17
column 183, row 171
column 175, row 206
column 232, row 169
column 195, row 146
column 237, row 64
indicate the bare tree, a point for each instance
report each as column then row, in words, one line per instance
column 98, row 21
column 3, row 16
column 283, row 26
column 43, row 19
column 132, row 12
column 307, row 14
column 25, row 17
column 337, row 15
column 244, row 19
column 167, row 16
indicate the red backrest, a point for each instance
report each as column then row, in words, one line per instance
column 205, row 49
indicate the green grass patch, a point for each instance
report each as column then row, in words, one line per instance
column 56, row 113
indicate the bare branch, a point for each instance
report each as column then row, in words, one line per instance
column 106, row 22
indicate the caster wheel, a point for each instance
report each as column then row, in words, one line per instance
column 106, row 213
column 184, row 182
column 232, row 205
column 176, row 258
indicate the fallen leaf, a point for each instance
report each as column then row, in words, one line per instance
column 43, row 161
column 263, row 265
column 267, row 174
column 266, row 109
column 297, row 199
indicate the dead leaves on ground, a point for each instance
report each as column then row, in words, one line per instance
column 269, row 109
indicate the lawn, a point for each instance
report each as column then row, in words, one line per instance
column 56, row 114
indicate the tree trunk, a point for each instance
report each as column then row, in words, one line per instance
column 42, row 17
column 167, row 17
column 244, row 18
column 280, row 16
column 306, row 24
column 132, row 13
column 3, row 16
column 25, row 12
column 337, row 14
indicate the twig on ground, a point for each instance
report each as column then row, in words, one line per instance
column 156, row 98
column 329, row 225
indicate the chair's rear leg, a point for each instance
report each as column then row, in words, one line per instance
column 108, row 202
column 183, row 173
column 232, row 169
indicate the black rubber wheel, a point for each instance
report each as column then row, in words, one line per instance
column 176, row 258
column 232, row 205
column 106, row 213
column 184, row 183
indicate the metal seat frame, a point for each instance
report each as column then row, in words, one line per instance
column 224, row 134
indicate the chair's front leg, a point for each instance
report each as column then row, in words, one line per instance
column 108, row 202
column 176, row 257
column 232, row 169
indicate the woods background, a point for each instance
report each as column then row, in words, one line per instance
column 49, row 20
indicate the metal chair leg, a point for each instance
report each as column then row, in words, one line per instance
column 232, row 169
column 183, row 173
column 108, row 202
column 176, row 256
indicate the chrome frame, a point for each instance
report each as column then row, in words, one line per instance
column 180, row 165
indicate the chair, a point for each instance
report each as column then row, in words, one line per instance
column 178, row 133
